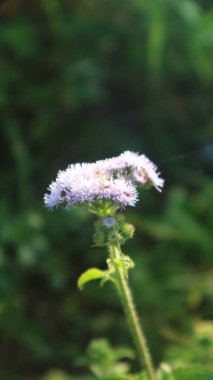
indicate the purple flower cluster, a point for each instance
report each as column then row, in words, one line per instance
column 110, row 179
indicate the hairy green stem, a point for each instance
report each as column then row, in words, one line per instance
column 130, row 311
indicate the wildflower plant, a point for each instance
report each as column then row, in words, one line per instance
column 107, row 187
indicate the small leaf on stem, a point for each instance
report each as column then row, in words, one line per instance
column 90, row 275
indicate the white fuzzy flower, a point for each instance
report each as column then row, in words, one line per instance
column 111, row 179
column 146, row 173
column 131, row 159
column 124, row 192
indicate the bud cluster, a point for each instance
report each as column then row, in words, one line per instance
column 113, row 229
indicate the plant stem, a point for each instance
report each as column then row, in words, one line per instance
column 130, row 311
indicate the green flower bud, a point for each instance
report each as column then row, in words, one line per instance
column 100, row 238
column 127, row 231
column 114, row 236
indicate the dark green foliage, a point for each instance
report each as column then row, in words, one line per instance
column 106, row 362
column 83, row 80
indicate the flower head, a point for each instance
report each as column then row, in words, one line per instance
column 113, row 179
column 109, row 221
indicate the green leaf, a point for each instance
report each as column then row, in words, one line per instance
column 108, row 362
column 193, row 373
column 90, row 275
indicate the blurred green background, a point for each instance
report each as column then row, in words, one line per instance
column 82, row 80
